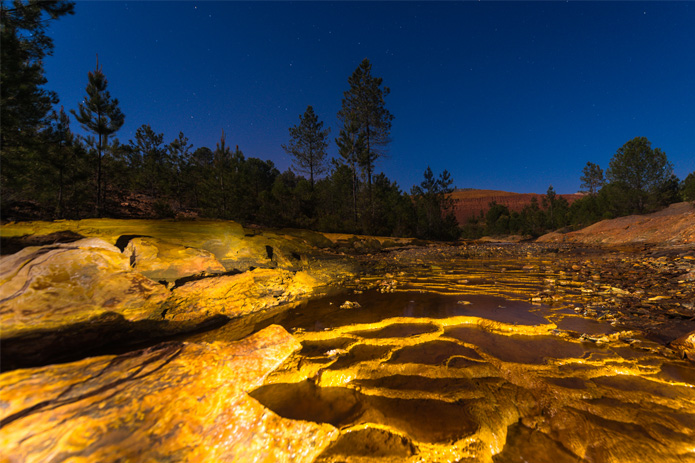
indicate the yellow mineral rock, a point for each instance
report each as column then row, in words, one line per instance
column 162, row 260
column 50, row 287
column 236, row 295
column 171, row 402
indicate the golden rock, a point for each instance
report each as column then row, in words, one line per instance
column 161, row 260
column 49, row 287
column 171, row 402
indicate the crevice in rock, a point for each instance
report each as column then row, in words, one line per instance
column 164, row 354
column 107, row 334
column 188, row 279
column 13, row 244
column 123, row 240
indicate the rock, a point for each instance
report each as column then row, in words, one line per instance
column 49, row 287
column 685, row 346
column 236, row 295
column 162, row 260
column 171, row 402
column 674, row 225
column 67, row 299
column 350, row 305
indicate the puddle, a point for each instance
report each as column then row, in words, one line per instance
column 583, row 325
column 325, row 313
column 433, row 353
column 418, row 385
column 306, row 401
column 398, row 330
column 369, row 442
column 425, row 420
column 519, row 349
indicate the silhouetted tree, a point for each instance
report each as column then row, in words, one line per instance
column 100, row 115
column 638, row 173
column 351, row 146
column 688, row 187
column 364, row 105
column 307, row 146
column 179, row 157
column 432, row 203
column 592, row 178
column 24, row 104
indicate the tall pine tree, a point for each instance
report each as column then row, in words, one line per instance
column 351, row 147
column 308, row 145
column 100, row 115
column 24, row 105
column 364, row 105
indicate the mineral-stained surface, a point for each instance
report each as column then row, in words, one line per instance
column 553, row 352
column 160, row 260
column 171, row 402
column 43, row 288
column 674, row 225
column 237, row 295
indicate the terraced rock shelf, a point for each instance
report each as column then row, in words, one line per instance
column 149, row 341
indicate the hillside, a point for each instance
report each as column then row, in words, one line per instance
column 674, row 225
column 469, row 203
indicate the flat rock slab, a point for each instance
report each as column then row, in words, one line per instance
column 236, row 295
column 162, row 260
column 170, row 402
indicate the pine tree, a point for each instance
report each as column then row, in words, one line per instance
column 363, row 105
column 351, row 147
column 61, row 139
column 24, row 104
column 308, row 145
column 592, row 178
column 99, row 114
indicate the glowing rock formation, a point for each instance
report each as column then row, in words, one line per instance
column 171, row 402
column 161, row 260
column 49, row 287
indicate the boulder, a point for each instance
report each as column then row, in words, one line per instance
column 162, row 260
column 70, row 299
column 236, row 295
column 171, row 402
column 685, row 346
column 49, row 287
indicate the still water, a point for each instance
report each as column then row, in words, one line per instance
column 431, row 372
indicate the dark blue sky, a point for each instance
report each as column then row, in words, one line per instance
column 511, row 96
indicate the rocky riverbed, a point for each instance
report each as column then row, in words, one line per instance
column 179, row 341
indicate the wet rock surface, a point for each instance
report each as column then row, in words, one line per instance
column 485, row 352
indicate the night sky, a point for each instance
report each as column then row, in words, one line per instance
column 509, row 96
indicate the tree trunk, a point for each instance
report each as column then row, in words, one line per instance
column 99, row 154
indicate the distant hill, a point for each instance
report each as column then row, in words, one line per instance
column 674, row 225
column 469, row 202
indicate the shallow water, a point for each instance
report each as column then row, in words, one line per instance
column 434, row 373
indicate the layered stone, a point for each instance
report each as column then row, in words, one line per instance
column 170, row 402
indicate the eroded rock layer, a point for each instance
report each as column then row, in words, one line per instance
column 171, row 402
column 417, row 376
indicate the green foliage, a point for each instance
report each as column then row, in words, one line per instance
column 497, row 219
column 639, row 176
column 100, row 115
column 688, row 187
column 308, row 145
column 434, row 218
column 365, row 121
column 24, row 105
column 592, row 178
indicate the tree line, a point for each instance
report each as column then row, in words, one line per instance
column 49, row 172
column 639, row 180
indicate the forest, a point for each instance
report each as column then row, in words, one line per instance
column 49, row 172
